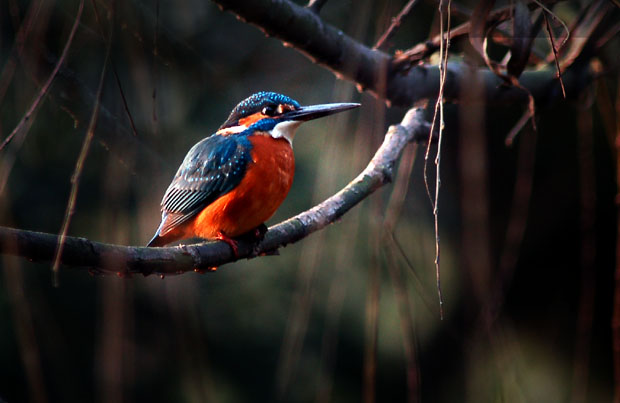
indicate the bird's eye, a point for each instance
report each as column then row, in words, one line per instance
column 269, row 110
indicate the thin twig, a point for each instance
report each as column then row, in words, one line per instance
column 555, row 53
column 391, row 31
column 548, row 10
column 393, row 211
column 401, row 186
column 155, row 70
column 114, row 70
column 443, row 66
column 403, row 60
column 134, row 130
column 586, row 31
column 18, row 46
column 510, row 137
column 394, row 243
column 79, row 165
column 444, row 61
column 7, row 161
column 48, row 83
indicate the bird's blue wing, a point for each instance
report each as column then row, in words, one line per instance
column 212, row 168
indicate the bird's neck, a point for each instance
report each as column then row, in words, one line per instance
column 285, row 130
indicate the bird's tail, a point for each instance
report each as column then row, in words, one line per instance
column 160, row 240
column 157, row 240
column 166, row 233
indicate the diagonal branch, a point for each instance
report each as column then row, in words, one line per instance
column 35, row 104
column 125, row 260
column 396, row 22
column 22, row 128
column 79, row 166
column 328, row 46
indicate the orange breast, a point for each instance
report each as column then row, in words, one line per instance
column 261, row 191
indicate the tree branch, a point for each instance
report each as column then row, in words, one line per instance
column 328, row 46
column 316, row 5
column 126, row 260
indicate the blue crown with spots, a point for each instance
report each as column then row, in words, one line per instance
column 255, row 103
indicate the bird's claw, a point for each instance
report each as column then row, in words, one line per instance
column 231, row 242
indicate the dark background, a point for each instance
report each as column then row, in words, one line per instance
column 294, row 327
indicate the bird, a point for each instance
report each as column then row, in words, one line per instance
column 232, row 181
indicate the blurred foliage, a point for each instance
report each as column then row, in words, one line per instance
column 236, row 335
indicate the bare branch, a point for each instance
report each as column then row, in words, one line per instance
column 555, row 53
column 116, row 76
column 420, row 51
column 126, row 260
column 24, row 124
column 35, row 104
column 403, row 60
column 389, row 33
column 443, row 66
column 316, row 5
column 79, row 166
column 326, row 45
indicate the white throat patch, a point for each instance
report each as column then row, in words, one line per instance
column 286, row 130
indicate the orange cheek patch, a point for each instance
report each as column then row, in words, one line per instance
column 243, row 124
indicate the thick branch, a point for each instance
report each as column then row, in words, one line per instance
column 107, row 258
column 347, row 58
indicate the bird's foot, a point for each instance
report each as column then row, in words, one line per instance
column 231, row 242
column 258, row 236
column 259, row 232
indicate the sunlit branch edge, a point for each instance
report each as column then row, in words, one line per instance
column 124, row 260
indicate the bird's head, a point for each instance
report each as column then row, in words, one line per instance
column 275, row 114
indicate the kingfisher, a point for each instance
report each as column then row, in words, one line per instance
column 231, row 182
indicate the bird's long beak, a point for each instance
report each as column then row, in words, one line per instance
column 317, row 111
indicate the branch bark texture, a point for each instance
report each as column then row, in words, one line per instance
column 374, row 70
column 126, row 260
